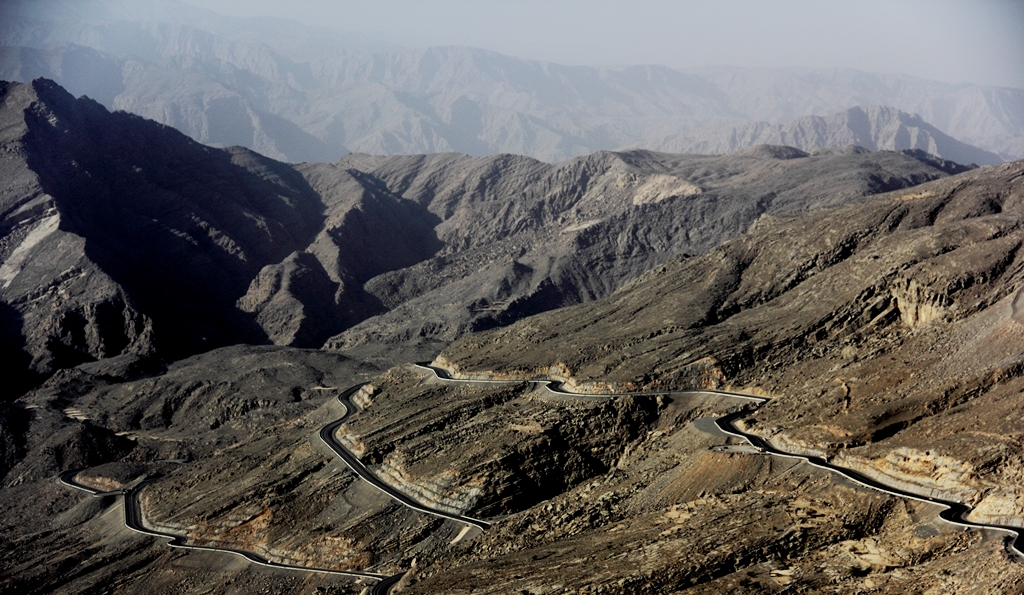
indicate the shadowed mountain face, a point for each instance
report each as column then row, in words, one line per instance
column 123, row 236
column 302, row 95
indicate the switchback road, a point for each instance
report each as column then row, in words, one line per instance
column 353, row 462
column 134, row 521
column 954, row 513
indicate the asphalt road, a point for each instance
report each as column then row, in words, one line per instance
column 955, row 512
column 134, row 521
column 353, row 462
column 133, row 518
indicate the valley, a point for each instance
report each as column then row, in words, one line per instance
column 768, row 371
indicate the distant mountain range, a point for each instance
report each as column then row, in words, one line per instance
column 875, row 128
column 299, row 94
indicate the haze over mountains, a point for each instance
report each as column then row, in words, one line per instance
column 874, row 128
column 297, row 94
column 789, row 362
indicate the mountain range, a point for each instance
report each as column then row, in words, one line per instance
column 346, row 318
column 164, row 302
column 873, row 127
column 301, row 94
column 122, row 235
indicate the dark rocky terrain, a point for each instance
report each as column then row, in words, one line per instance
column 297, row 93
column 579, row 229
column 873, row 295
column 121, row 235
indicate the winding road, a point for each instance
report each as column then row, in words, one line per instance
column 357, row 466
column 954, row 513
column 133, row 520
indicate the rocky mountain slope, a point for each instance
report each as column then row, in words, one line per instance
column 578, row 230
column 885, row 329
column 885, row 326
column 875, row 128
column 121, row 235
column 887, row 332
column 301, row 94
column 102, row 210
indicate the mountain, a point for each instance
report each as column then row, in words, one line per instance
column 106, row 207
column 982, row 116
column 302, row 94
column 875, row 128
column 124, row 236
column 883, row 327
column 580, row 229
column 886, row 332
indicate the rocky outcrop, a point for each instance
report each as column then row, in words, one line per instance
column 294, row 301
column 363, row 397
column 919, row 305
column 701, row 374
column 447, row 490
column 919, row 472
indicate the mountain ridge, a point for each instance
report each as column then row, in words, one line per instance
column 874, row 128
column 298, row 105
column 125, row 236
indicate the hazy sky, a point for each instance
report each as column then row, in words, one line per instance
column 978, row 41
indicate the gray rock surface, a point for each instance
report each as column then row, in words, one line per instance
column 886, row 326
column 578, row 230
column 122, row 235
